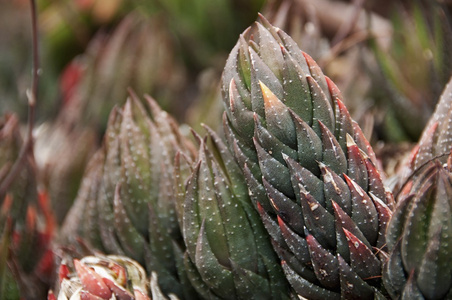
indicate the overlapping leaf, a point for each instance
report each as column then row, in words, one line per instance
column 105, row 277
column 310, row 171
column 127, row 203
column 419, row 234
column 229, row 255
column 419, row 237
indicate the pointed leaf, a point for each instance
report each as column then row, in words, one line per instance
column 307, row 289
column 325, row 264
column 352, row 286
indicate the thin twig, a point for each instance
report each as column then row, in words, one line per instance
column 343, row 45
column 346, row 28
column 36, row 71
column 27, row 147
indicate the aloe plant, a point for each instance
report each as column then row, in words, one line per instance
column 116, row 62
column 310, row 171
column 103, row 277
column 126, row 204
column 287, row 202
column 229, row 255
column 26, row 222
column 419, row 237
column 419, row 234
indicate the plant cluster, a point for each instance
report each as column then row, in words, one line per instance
column 286, row 200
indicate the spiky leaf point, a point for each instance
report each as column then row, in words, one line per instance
column 287, row 210
column 318, row 220
column 228, row 250
column 363, row 211
column 302, row 153
column 305, row 288
column 385, row 215
column 127, row 203
column 352, row 286
column 436, row 139
column 362, row 260
column 325, row 264
column 304, row 180
column 296, row 243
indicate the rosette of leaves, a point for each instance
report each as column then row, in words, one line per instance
column 310, row 171
column 137, row 54
column 229, row 255
column 26, row 223
column 420, row 236
column 26, row 257
column 103, row 277
column 126, row 204
column 419, row 233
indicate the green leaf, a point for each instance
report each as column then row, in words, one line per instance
column 309, row 145
column 352, row 286
column 275, row 172
column 297, row 94
column 307, row 289
column 284, row 207
column 333, row 156
column 275, row 147
column 318, row 221
column 325, row 264
column 132, row 242
column 212, row 271
column 394, row 276
column 363, row 211
column 362, row 259
column 335, row 190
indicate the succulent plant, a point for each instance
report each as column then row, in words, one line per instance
column 420, row 237
column 419, row 234
column 435, row 142
column 229, row 254
column 26, row 258
column 113, row 63
column 26, row 222
column 126, row 204
column 103, row 277
column 288, row 202
column 310, row 171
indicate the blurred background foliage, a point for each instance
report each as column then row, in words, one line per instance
column 391, row 59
